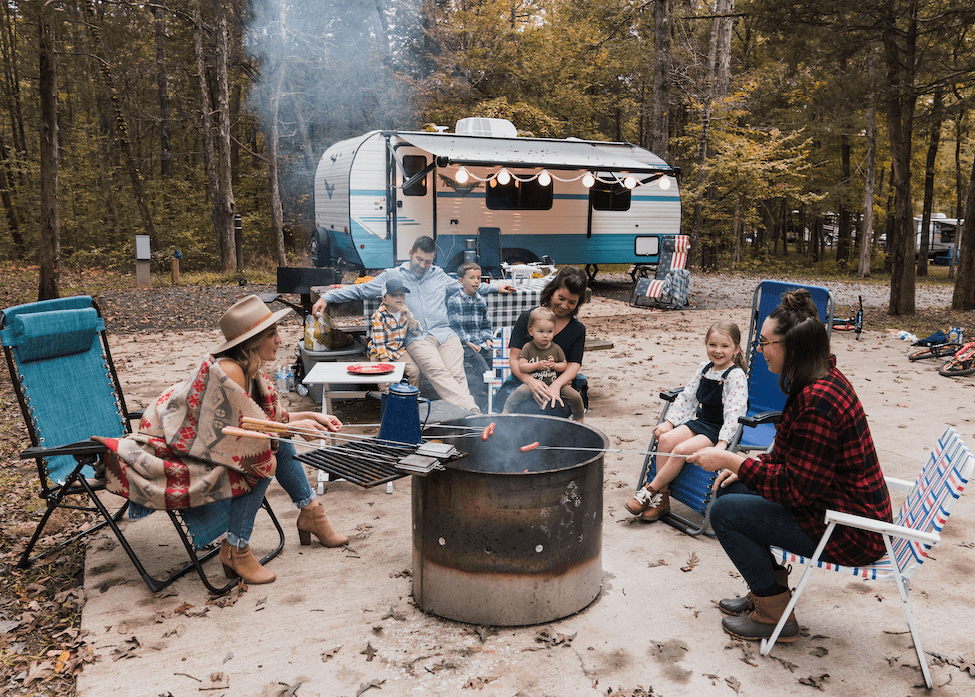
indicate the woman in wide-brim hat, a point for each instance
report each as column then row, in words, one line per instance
column 180, row 458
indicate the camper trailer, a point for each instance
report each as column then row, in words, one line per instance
column 486, row 191
column 942, row 231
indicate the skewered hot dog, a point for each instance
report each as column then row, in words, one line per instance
column 530, row 446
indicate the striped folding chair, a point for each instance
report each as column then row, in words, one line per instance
column 916, row 530
column 669, row 288
column 500, row 368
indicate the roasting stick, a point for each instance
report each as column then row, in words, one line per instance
column 348, row 452
column 256, row 425
column 536, row 446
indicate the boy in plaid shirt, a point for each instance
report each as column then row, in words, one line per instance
column 389, row 326
column 468, row 316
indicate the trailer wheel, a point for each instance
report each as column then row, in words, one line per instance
column 320, row 256
column 519, row 256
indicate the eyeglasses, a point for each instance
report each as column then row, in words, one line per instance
column 763, row 342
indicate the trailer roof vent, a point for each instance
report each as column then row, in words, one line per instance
column 497, row 128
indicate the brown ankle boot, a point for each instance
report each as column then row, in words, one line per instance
column 312, row 521
column 240, row 562
column 760, row 622
column 658, row 507
column 644, row 499
column 731, row 607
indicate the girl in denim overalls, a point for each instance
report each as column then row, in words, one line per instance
column 705, row 414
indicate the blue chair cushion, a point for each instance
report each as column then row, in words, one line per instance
column 54, row 334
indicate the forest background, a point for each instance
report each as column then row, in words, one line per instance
column 169, row 118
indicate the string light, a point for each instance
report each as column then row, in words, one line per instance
column 544, row 178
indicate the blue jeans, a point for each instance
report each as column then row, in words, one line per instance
column 243, row 509
column 747, row 525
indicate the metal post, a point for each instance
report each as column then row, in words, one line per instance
column 239, row 241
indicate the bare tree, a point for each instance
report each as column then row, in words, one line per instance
column 50, row 233
column 870, row 177
column 660, row 139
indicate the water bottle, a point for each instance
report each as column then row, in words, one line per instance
column 280, row 380
column 290, row 379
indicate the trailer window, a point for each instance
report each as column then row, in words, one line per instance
column 609, row 196
column 519, row 196
column 411, row 165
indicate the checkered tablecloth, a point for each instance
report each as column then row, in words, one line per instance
column 503, row 310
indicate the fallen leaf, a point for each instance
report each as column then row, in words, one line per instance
column 479, row 682
column 816, row 681
column 692, row 561
column 370, row 684
column 331, row 653
column 659, row 562
column 733, row 684
column 176, row 631
column 398, row 616
column 127, row 649
column 216, row 681
column 38, row 671
column 368, row 652
column 819, row 651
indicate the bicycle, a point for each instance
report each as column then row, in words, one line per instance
column 962, row 363
column 851, row 324
column 936, row 351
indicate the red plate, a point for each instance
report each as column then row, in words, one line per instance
column 371, row 368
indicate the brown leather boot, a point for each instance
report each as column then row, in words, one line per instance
column 760, row 622
column 240, row 562
column 645, row 498
column 657, row 508
column 312, row 521
column 731, row 607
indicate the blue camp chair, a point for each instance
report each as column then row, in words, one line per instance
column 765, row 399
column 62, row 371
column 692, row 487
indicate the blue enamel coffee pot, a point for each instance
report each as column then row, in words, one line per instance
column 400, row 420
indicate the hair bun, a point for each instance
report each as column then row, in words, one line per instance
column 799, row 301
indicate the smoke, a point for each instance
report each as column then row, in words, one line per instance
column 337, row 68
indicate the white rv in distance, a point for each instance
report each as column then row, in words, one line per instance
column 513, row 199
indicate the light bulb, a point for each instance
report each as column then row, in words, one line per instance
column 629, row 181
column 462, row 176
column 665, row 182
column 503, row 177
column 544, row 178
column 588, row 180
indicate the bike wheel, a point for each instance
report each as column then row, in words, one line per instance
column 954, row 368
column 937, row 351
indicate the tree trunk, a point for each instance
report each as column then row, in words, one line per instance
column 901, row 102
column 870, row 177
column 12, row 77
column 209, row 154
column 844, row 231
column 226, row 202
column 162, row 87
column 937, row 116
column 660, row 143
column 277, row 81
column 963, row 298
column 49, row 252
column 723, row 26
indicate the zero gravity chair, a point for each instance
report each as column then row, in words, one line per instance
column 62, row 372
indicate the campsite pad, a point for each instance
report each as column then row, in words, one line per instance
column 339, row 622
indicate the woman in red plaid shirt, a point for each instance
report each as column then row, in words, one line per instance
column 823, row 458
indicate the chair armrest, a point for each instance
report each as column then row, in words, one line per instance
column 898, row 484
column 882, row 527
column 765, row 417
column 671, row 395
column 85, row 447
column 135, row 415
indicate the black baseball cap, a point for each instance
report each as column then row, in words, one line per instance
column 394, row 287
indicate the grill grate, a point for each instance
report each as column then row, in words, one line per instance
column 365, row 463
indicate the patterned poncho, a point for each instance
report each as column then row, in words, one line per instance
column 180, row 458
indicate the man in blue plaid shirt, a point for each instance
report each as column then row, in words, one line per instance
column 468, row 315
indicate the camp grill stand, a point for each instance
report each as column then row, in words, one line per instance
column 355, row 466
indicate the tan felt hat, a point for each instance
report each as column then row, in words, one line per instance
column 246, row 318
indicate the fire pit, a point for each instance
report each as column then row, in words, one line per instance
column 509, row 538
